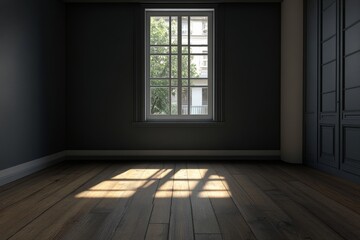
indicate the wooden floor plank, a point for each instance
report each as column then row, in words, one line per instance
column 310, row 226
column 163, row 196
column 327, row 211
column 117, row 208
column 61, row 215
column 348, row 220
column 133, row 224
column 17, row 216
column 96, row 204
column 232, row 224
column 181, row 223
column 208, row 237
column 24, row 181
column 203, row 214
column 168, row 200
column 76, row 212
column 330, row 188
column 272, row 209
column 157, row 232
column 332, row 179
column 249, row 170
column 262, row 226
column 19, row 191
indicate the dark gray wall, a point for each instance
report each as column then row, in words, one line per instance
column 32, row 80
column 100, row 102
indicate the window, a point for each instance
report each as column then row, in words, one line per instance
column 179, row 64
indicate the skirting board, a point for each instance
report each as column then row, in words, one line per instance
column 150, row 154
column 13, row 173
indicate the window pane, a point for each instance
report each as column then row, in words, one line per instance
column 159, row 50
column 174, row 49
column 159, row 66
column 185, row 49
column 174, row 66
column 174, row 82
column 198, row 30
column 184, row 66
column 198, row 100
column 184, row 29
column 199, row 66
column 160, row 102
column 198, row 49
column 185, row 82
column 198, row 82
column 159, row 30
column 184, row 101
column 174, row 101
column 159, row 82
column 174, row 30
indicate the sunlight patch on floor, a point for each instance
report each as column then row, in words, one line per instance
column 183, row 183
column 105, row 194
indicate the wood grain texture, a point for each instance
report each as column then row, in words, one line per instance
column 260, row 224
column 231, row 222
column 203, row 215
column 181, row 220
column 24, row 188
column 41, row 201
column 133, row 224
column 208, row 237
column 163, row 196
column 342, row 192
column 179, row 200
column 157, row 232
column 342, row 220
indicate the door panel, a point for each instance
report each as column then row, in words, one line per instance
column 327, row 146
column 311, row 85
column 328, row 92
column 350, row 94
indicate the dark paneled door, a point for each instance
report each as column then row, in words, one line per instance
column 328, row 128
column 350, row 79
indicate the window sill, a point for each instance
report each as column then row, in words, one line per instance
column 177, row 124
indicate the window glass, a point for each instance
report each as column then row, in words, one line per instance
column 179, row 67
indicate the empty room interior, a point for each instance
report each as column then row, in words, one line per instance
column 179, row 119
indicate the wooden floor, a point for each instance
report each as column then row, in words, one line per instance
column 180, row 200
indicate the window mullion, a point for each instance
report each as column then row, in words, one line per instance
column 147, row 68
column 189, row 61
column 170, row 66
column 179, row 65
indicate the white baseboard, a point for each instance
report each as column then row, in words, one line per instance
column 13, row 173
column 263, row 154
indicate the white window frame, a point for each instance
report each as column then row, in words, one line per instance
column 179, row 13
